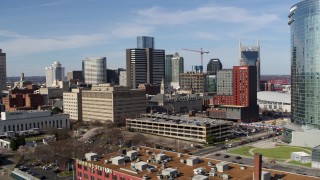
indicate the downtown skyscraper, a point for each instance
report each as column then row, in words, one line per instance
column 250, row 56
column 304, row 18
column 54, row 74
column 144, row 66
column 145, row 42
column 174, row 65
column 3, row 71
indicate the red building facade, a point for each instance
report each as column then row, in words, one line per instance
column 86, row 170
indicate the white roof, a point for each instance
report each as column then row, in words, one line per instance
column 274, row 96
column 117, row 158
column 301, row 153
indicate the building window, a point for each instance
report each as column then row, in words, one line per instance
column 99, row 172
column 85, row 176
column 80, row 174
column 106, row 174
column 85, row 168
column 114, row 177
column 92, row 177
column 122, row 178
column 5, row 128
column 66, row 122
column 79, row 166
column 9, row 127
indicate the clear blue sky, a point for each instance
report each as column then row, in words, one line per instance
column 35, row 33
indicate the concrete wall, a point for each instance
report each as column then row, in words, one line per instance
column 308, row 138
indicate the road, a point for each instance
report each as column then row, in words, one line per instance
column 218, row 154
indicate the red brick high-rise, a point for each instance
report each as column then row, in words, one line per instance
column 236, row 97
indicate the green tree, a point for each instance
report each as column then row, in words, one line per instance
column 56, row 110
column 210, row 139
column 14, row 144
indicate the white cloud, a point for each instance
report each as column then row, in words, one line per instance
column 157, row 15
column 29, row 45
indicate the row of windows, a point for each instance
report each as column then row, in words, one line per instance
column 100, row 173
column 27, row 126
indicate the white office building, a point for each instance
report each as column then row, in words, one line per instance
column 18, row 121
column 72, row 104
column 94, row 70
column 54, row 74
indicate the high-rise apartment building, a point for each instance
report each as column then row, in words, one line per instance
column 105, row 102
column 214, row 65
column 145, row 42
column 54, row 74
column 236, row 97
column 144, row 66
column 304, row 20
column 94, row 70
column 3, row 72
column 250, row 56
column 174, row 65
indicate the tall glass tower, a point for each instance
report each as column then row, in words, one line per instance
column 304, row 19
column 145, row 42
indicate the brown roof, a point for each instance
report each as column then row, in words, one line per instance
column 186, row 171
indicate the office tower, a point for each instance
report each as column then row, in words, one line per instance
column 213, row 66
column 250, row 56
column 3, row 72
column 304, row 20
column 94, row 70
column 123, row 78
column 144, row 66
column 174, row 65
column 72, row 104
column 113, row 75
column 105, row 102
column 75, row 75
column 168, row 69
column 145, row 42
column 54, row 74
column 177, row 67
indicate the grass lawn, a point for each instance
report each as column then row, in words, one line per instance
column 300, row 164
column 244, row 151
column 35, row 138
column 281, row 152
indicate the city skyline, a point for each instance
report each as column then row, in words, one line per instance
column 34, row 34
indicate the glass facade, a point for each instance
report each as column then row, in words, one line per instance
column 94, row 70
column 304, row 20
column 145, row 42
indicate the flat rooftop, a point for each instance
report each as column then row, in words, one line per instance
column 186, row 172
column 182, row 119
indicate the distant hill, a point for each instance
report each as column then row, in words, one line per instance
column 33, row 79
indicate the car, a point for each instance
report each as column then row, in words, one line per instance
column 238, row 157
column 226, row 156
column 43, row 177
column 217, row 154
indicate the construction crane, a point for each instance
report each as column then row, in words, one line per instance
column 201, row 53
